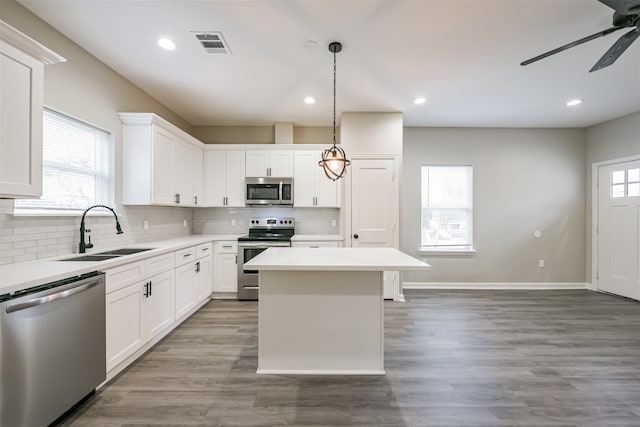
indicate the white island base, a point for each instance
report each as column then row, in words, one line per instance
column 321, row 322
column 320, row 310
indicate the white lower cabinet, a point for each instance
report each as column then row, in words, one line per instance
column 316, row 244
column 137, row 314
column 124, row 324
column 203, row 280
column 146, row 299
column 193, row 278
column 185, row 295
column 226, row 267
column 157, row 304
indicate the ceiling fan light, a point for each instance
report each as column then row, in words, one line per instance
column 574, row 102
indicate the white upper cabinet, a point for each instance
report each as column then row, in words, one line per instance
column 224, row 174
column 311, row 187
column 22, row 62
column 162, row 165
column 276, row 163
column 198, row 176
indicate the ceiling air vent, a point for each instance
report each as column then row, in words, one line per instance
column 212, row 41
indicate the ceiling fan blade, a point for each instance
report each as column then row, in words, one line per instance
column 623, row 7
column 572, row 44
column 617, row 49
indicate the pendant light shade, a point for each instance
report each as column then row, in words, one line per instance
column 334, row 160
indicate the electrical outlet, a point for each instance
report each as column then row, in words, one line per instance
column 184, row 222
column 541, row 263
column 333, row 222
column 233, row 221
column 145, row 224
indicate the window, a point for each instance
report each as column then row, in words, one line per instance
column 77, row 167
column 447, row 209
column 625, row 183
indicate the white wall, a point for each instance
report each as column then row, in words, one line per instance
column 614, row 139
column 524, row 179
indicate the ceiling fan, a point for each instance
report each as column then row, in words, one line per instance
column 626, row 15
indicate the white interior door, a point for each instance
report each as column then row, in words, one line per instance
column 373, row 210
column 619, row 229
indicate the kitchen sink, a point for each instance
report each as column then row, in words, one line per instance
column 102, row 256
column 124, row 251
column 95, row 257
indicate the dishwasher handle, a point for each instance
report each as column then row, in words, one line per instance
column 82, row 286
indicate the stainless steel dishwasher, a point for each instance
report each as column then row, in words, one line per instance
column 52, row 349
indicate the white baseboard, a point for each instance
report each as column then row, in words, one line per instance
column 496, row 285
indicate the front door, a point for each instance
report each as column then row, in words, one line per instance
column 619, row 228
column 373, row 210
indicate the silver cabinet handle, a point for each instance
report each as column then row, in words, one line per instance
column 176, row 198
column 53, row 297
column 227, row 246
column 195, row 200
column 186, row 255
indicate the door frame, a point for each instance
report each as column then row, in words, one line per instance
column 595, row 220
column 347, row 207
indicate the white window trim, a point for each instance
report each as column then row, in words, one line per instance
column 443, row 250
column 451, row 250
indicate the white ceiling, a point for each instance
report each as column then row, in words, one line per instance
column 462, row 55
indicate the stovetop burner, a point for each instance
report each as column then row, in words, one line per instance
column 269, row 229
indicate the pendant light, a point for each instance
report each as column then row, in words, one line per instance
column 334, row 160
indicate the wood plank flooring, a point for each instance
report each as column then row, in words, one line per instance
column 453, row 358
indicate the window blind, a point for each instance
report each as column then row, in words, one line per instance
column 77, row 166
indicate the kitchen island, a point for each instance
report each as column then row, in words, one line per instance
column 321, row 309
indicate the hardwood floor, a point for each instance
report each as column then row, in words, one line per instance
column 453, row 358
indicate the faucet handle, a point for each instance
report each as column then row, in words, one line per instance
column 88, row 245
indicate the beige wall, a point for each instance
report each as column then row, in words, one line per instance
column 524, row 179
column 260, row 134
column 614, row 139
column 367, row 133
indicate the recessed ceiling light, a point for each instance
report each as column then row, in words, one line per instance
column 574, row 102
column 309, row 100
column 166, row 44
column 419, row 101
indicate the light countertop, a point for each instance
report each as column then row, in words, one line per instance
column 23, row 275
column 335, row 259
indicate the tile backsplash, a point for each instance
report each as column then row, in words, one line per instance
column 308, row 220
column 25, row 238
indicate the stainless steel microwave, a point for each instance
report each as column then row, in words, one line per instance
column 268, row 191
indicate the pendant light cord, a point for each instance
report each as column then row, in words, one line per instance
column 334, row 98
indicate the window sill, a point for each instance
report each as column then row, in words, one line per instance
column 446, row 252
column 37, row 213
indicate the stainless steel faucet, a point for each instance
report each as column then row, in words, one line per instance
column 83, row 245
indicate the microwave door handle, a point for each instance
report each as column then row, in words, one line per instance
column 280, row 191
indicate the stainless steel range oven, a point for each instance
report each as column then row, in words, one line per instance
column 264, row 233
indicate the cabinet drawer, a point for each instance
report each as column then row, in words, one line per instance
column 184, row 256
column 225, row 247
column 124, row 275
column 319, row 244
column 160, row 264
column 203, row 250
